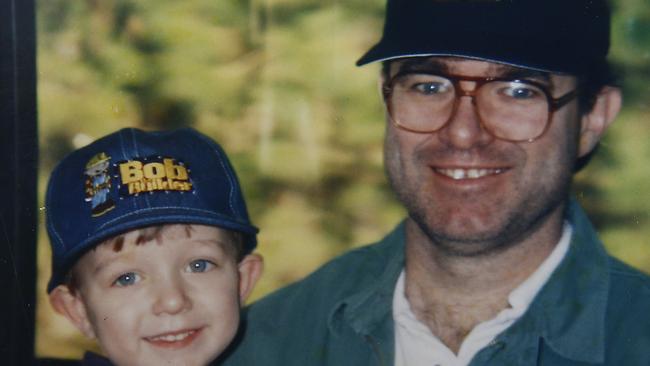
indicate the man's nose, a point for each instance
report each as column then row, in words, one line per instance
column 464, row 129
column 171, row 297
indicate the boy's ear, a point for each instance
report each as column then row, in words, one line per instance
column 70, row 305
column 595, row 122
column 250, row 270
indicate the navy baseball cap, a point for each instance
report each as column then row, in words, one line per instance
column 132, row 179
column 564, row 36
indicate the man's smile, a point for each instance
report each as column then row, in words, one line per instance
column 468, row 173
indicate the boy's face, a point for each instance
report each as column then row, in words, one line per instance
column 172, row 300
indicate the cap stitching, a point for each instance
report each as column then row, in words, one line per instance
column 125, row 156
column 232, row 189
column 230, row 178
column 48, row 213
column 136, row 152
column 151, row 209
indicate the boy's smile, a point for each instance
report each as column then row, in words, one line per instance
column 173, row 299
column 177, row 339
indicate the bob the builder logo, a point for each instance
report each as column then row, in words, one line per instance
column 98, row 184
column 153, row 174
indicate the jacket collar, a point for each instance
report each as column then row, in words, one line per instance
column 569, row 312
column 366, row 309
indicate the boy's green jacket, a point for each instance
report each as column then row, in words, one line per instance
column 594, row 310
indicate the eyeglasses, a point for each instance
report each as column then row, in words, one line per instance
column 513, row 110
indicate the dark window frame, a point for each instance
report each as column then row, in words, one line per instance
column 18, row 176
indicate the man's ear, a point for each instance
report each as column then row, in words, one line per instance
column 380, row 85
column 70, row 305
column 595, row 122
column 250, row 270
column 384, row 74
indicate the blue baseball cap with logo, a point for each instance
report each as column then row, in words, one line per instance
column 132, row 179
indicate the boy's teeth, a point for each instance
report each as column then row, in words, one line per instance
column 172, row 337
column 467, row 173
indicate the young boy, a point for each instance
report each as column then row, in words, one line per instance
column 151, row 247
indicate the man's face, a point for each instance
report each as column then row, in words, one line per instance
column 471, row 192
column 171, row 301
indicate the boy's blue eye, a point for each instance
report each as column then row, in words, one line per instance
column 200, row 265
column 127, row 279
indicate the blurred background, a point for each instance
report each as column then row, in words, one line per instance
column 274, row 82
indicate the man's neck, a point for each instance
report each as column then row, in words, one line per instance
column 451, row 294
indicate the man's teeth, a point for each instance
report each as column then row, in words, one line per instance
column 172, row 337
column 468, row 173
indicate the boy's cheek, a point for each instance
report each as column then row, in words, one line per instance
column 113, row 319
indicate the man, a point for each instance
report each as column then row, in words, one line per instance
column 491, row 107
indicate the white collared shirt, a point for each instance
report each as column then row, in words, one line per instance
column 415, row 345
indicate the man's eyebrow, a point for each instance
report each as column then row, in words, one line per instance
column 420, row 64
column 510, row 72
column 432, row 65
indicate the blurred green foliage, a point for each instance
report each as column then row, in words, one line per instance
column 274, row 81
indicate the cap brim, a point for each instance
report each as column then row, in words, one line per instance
column 149, row 217
column 382, row 52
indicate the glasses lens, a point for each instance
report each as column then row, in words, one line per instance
column 510, row 110
column 421, row 102
column 513, row 110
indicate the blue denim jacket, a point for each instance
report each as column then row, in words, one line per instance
column 594, row 310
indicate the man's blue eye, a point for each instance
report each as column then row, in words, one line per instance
column 521, row 91
column 200, row 265
column 127, row 279
column 430, row 88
